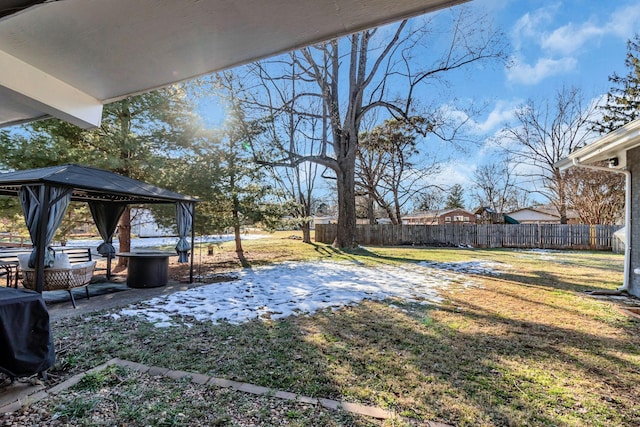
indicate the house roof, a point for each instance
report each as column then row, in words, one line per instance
column 545, row 210
column 434, row 213
column 68, row 58
column 510, row 220
column 611, row 145
column 90, row 184
column 483, row 209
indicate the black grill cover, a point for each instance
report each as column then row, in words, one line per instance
column 26, row 342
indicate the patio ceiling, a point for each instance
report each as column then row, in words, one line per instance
column 68, row 58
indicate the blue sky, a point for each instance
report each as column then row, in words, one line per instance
column 552, row 43
column 577, row 43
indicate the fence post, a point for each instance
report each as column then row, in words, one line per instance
column 540, row 235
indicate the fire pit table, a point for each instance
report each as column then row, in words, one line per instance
column 147, row 269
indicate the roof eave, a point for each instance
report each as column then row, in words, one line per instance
column 611, row 145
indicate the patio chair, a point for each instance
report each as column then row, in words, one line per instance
column 62, row 276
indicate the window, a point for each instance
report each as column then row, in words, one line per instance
column 458, row 218
column 447, row 219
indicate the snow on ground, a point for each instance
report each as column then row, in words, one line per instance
column 539, row 254
column 152, row 242
column 469, row 267
column 280, row 290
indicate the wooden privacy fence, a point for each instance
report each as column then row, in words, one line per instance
column 542, row 236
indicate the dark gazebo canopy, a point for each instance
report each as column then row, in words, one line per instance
column 45, row 193
column 90, row 184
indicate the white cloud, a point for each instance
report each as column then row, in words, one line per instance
column 457, row 172
column 527, row 74
column 560, row 47
column 623, row 22
column 567, row 39
column 596, row 104
column 502, row 113
column 528, row 26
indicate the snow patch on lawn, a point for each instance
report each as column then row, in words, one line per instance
column 292, row 288
column 469, row 267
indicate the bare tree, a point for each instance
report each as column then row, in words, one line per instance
column 284, row 130
column 598, row 197
column 496, row 186
column 389, row 170
column 358, row 75
column 546, row 132
column 432, row 199
column 370, row 167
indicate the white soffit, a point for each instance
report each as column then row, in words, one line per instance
column 613, row 144
column 82, row 53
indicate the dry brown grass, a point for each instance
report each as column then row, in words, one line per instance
column 527, row 347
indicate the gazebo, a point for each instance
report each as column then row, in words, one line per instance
column 45, row 194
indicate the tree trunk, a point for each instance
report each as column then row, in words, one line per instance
column 371, row 213
column 306, row 232
column 236, row 225
column 387, row 208
column 124, row 235
column 346, row 233
column 562, row 198
column 236, row 233
column 396, row 200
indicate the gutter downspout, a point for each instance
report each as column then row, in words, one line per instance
column 627, row 217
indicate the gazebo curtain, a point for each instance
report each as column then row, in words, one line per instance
column 106, row 216
column 184, row 218
column 35, row 198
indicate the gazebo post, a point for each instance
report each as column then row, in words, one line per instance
column 193, row 238
column 41, row 236
column 109, row 267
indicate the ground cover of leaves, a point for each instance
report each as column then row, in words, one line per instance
column 123, row 397
column 526, row 347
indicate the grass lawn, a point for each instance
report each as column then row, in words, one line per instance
column 526, row 347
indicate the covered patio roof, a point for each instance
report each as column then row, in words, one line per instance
column 68, row 58
column 90, row 184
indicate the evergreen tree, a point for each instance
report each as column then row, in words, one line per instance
column 623, row 99
column 219, row 169
column 136, row 138
column 455, row 198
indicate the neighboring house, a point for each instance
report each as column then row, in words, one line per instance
column 486, row 215
column 543, row 214
column 440, row 217
column 319, row 219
